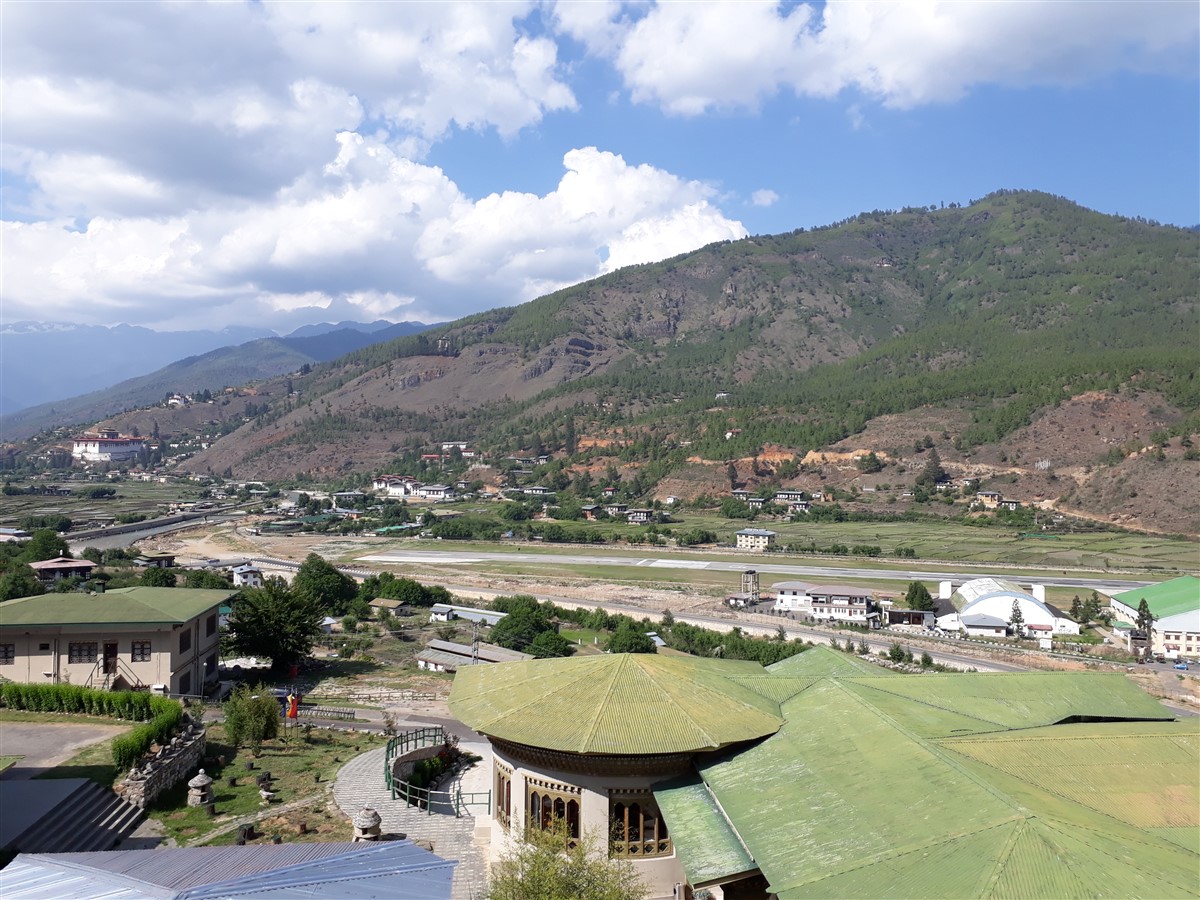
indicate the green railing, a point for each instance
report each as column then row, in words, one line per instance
column 454, row 802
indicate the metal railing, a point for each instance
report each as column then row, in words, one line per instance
column 455, row 802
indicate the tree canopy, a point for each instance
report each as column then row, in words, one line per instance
column 276, row 622
column 320, row 583
column 630, row 639
column 537, row 867
column 918, row 597
column 155, row 576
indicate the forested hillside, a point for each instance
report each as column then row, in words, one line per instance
column 1001, row 308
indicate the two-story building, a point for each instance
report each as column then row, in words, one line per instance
column 755, row 539
column 106, row 446
column 123, row 638
column 826, row 602
column 1175, row 606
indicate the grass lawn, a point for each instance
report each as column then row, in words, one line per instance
column 24, row 715
column 295, row 764
column 9, row 761
column 587, row 636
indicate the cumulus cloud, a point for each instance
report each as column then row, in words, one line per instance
column 764, row 197
column 690, row 58
column 341, row 242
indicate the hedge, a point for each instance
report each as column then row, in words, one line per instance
column 160, row 716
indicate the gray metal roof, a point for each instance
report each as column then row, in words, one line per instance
column 389, row 870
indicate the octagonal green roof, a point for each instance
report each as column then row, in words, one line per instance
column 620, row 703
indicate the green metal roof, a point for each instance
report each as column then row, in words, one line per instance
column 1168, row 598
column 619, row 703
column 825, row 662
column 121, row 606
column 892, row 789
column 707, row 845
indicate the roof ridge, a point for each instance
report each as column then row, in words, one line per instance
column 614, row 671
column 924, row 702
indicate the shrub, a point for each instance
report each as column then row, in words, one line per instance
column 251, row 717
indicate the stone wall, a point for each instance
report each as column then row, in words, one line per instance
column 403, row 765
column 176, row 762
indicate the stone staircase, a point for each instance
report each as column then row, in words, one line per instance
column 89, row 818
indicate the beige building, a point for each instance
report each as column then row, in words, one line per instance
column 125, row 638
column 755, row 539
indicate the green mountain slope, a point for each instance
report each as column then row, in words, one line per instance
column 1004, row 307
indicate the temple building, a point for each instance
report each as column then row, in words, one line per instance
column 826, row 775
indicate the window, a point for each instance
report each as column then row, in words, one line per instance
column 8, row 654
column 210, row 665
column 81, row 652
column 140, row 652
column 503, row 796
column 551, row 803
column 42, row 648
column 210, row 625
column 185, row 641
column 185, row 683
column 636, row 829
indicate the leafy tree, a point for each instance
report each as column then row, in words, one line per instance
column 155, row 576
column 733, row 508
column 926, row 660
column 44, row 544
column 731, row 473
column 1016, row 620
column 19, row 580
column 251, row 717
column 549, row 644
column 205, row 579
column 1145, row 624
column 322, row 585
column 933, row 471
column 863, row 648
column 630, row 639
column 918, row 597
column 1076, row 608
column 276, row 622
column 869, row 463
column 896, row 653
column 537, row 867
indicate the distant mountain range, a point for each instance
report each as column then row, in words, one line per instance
column 145, row 365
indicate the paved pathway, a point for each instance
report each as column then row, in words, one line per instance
column 45, row 745
column 360, row 783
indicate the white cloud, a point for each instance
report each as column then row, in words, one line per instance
column 372, row 235
column 690, row 58
column 764, row 197
column 602, row 207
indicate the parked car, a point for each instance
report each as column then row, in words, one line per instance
column 1183, row 667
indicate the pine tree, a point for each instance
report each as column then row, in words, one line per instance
column 1016, row 621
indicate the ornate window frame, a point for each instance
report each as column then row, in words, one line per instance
column 636, row 828
column 549, row 802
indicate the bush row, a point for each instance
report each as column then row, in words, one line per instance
column 161, row 716
column 129, row 748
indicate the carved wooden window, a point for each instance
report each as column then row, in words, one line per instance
column 8, row 654
column 503, row 796
column 550, row 804
column 140, row 651
column 636, row 829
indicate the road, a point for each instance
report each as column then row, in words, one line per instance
column 129, row 538
column 450, row 557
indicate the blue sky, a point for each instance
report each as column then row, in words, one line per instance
column 193, row 165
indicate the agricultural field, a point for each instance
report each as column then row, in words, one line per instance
column 133, row 498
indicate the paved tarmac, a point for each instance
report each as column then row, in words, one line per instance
column 47, row 744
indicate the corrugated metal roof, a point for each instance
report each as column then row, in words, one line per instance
column 390, row 870
column 1168, row 598
column 133, row 605
column 623, row 703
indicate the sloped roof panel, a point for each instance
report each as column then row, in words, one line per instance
column 623, row 703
